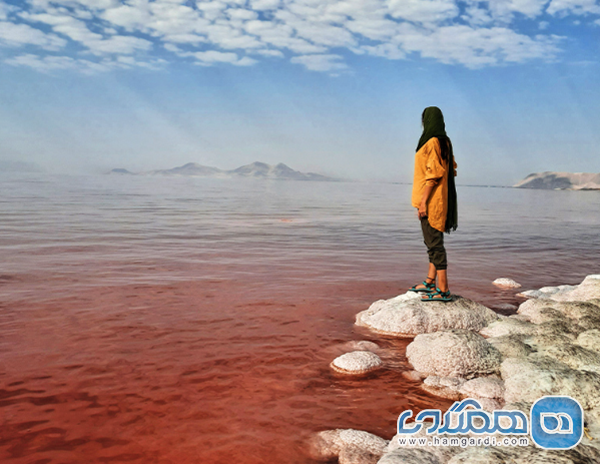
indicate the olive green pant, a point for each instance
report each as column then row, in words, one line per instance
column 434, row 240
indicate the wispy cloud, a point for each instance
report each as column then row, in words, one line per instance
column 578, row 7
column 47, row 64
column 17, row 35
column 321, row 62
column 71, row 34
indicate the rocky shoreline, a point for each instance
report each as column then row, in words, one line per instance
column 462, row 349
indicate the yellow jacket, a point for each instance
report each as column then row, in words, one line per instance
column 431, row 169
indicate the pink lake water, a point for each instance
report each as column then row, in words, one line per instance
column 180, row 320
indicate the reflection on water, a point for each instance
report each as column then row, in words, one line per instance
column 176, row 320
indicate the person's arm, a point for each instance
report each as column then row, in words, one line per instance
column 422, row 212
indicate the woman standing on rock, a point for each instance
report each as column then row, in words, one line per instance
column 434, row 196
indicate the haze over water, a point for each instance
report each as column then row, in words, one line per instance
column 185, row 320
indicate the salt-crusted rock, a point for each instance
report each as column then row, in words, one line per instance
column 349, row 446
column 520, row 317
column 353, row 345
column 451, row 382
column 514, row 326
column 551, row 347
column 483, row 387
column 588, row 323
column 362, row 345
column 411, row 456
column 508, row 326
column 454, row 353
column 406, row 315
column 567, row 327
column 590, row 339
column 526, row 455
column 537, row 340
column 574, row 356
column 531, row 294
column 414, row 375
column 527, row 379
column 505, row 307
column 587, row 290
column 445, row 387
column 358, row 447
column 547, row 292
column 510, row 346
column 505, row 282
column 490, row 404
column 540, row 311
column 356, row 362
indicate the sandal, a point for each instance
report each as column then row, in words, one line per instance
column 428, row 287
column 441, row 296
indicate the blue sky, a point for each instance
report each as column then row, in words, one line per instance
column 335, row 87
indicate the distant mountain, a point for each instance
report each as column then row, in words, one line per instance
column 254, row 170
column 190, row 169
column 120, row 171
column 561, row 181
column 279, row 171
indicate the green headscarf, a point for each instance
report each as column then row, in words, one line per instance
column 434, row 126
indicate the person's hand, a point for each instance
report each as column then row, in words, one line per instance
column 422, row 212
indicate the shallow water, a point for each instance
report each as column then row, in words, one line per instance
column 178, row 320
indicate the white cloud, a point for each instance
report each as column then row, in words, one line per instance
column 240, row 13
column 281, row 36
column 477, row 16
column 578, row 7
column 5, row 10
column 54, row 63
column 477, row 47
column 119, row 44
column 78, row 31
column 318, row 32
column 216, row 57
column 48, row 64
column 192, row 39
column 130, row 62
column 424, row 11
column 268, row 52
column 73, row 28
column 314, row 33
column 225, row 36
column 320, row 62
column 211, row 9
column 211, row 57
column 505, row 9
column 15, row 35
column 245, row 61
column 263, row 5
column 128, row 17
column 376, row 28
column 387, row 50
column 173, row 48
